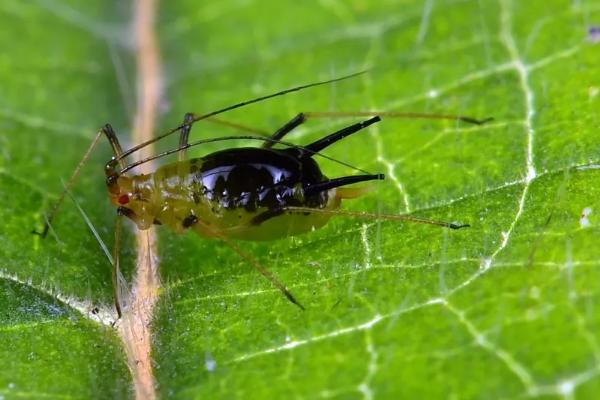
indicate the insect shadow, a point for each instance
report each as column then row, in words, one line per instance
column 249, row 193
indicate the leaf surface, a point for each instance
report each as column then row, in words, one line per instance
column 506, row 308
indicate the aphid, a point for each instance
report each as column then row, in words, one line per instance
column 249, row 193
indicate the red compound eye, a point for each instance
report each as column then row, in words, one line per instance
column 123, row 199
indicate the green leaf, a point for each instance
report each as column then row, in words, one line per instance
column 506, row 308
column 55, row 88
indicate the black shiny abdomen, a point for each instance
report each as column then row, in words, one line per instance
column 252, row 178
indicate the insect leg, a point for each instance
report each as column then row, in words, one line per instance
column 116, row 264
column 252, row 261
column 188, row 120
column 264, row 272
column 184, row 135
column 375, row 216
column 299, row 119
column 239, row 127
column 395, row 114
column 302, row 117
column 284, row 130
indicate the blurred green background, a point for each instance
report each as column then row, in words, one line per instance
column 505, row 309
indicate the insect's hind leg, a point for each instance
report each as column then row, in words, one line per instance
column 252, row 261
column 303, row 116
column 184, row 136
column 375, row 216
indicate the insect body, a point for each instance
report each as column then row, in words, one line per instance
column 241, row 193
column 244, row 193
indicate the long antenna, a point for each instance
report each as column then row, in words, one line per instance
column 68, row 186
column 238, row 137
column 233, row 107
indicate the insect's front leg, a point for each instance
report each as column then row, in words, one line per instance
column 116, row 264
column 188, row 119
